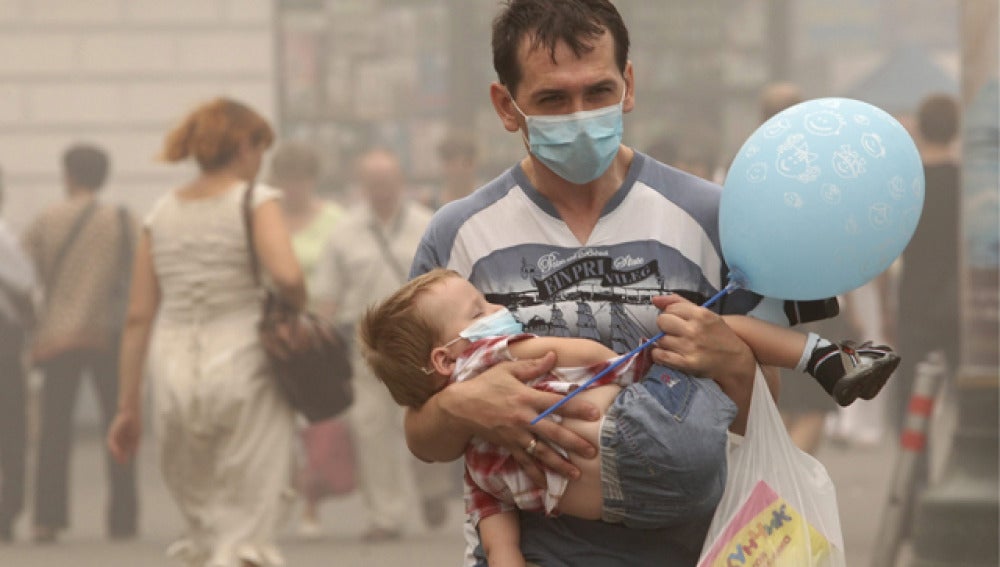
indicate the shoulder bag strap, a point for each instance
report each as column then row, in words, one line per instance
column 386, row 251
column 126, row 245
column 126, row 249
column 248, row 224
column 74, row 232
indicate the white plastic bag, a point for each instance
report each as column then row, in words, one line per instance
column 779, row 508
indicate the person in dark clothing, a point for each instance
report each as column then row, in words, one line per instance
column 928, row 290
column 17, row 279
column 81, row 248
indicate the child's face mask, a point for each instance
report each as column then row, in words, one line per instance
column 498, row 323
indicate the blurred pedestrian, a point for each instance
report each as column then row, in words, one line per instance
column 328, row 467
column 459, row 167
column 928, row 312
column 226, row 435
column 82, row 251
column 17, row 281
column 367, row 258
column 928, row 317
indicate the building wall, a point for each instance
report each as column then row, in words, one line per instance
column 118, row 73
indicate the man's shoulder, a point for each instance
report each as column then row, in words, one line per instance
column 66, row 212
column 680, row 187
column 662, row 195
column 447, row 221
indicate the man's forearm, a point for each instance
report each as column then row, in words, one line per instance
column 432, row 435
column 738, row 385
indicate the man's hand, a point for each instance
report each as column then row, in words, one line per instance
column 497, row 406
column 700, row 343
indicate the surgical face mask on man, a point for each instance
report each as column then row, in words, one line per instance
column 496, row 324
column 579, row 147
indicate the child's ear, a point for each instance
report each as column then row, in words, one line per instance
column 442, row 362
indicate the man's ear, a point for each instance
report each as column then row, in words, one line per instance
column 629, row 102
column 504, row 107
column 442, row 361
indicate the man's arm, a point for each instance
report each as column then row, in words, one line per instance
column 498, row 407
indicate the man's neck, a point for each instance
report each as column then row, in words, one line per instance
column 579, row 207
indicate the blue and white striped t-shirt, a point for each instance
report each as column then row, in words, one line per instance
column 658, row 233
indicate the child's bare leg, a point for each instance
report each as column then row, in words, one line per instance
column 501, row 537
column 846, row 371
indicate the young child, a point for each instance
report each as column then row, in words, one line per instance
column 439, row 329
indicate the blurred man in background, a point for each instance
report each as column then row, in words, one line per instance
column 81, row 248
column 928, row 315
column 459, row 167
column 365, row 260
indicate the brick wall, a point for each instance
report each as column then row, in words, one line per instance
column 118, row 73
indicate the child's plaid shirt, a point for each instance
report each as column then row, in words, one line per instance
column 494, row 482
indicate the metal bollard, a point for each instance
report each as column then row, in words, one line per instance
column 913, row 442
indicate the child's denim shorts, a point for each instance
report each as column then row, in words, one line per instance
column 663, row 450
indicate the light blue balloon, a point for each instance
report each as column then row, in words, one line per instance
column 820, row 199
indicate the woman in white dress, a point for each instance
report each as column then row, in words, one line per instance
column 226, row 436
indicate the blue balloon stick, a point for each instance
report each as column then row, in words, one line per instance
column 734, row 284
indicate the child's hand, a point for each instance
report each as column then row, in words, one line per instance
column 698, row 342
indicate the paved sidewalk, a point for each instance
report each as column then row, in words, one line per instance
column 860, row 474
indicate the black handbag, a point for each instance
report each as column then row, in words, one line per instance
column 310, row 358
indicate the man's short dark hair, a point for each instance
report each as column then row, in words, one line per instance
column 86, row 165
column 937, row 118
column 577, row 23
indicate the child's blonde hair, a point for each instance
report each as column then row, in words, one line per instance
column 397, row 339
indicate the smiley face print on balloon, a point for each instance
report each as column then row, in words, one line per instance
column 820, row 199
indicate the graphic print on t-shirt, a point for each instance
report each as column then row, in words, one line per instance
column 602, row 293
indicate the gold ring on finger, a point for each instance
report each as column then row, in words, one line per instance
column 532, row 447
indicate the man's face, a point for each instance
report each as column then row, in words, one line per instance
column 570, row 83
column 381, row 178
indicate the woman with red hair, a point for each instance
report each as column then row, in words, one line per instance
column 226, row 436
